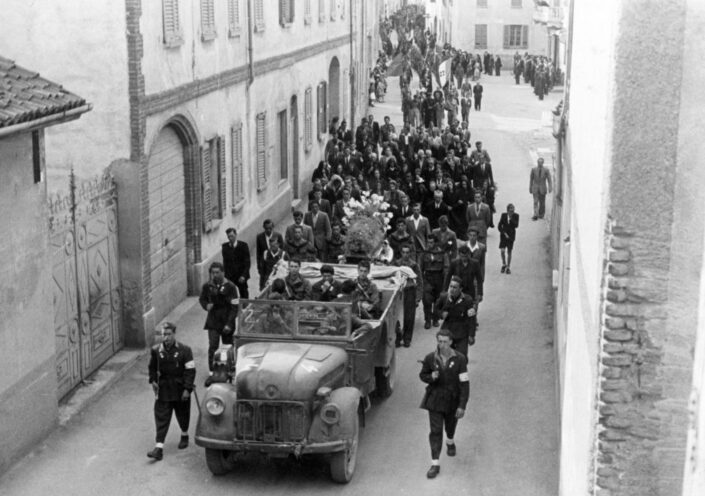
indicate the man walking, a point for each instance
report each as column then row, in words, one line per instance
column 458, row 313
column 236, row 261
column 477, row 93
column 446, row 373
column 539, row 184
column 220, row 298
column 413, row 288
column 507, row 227
column 171, row 374
column 432, row 268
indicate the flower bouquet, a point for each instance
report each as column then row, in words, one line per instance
column 367, row 223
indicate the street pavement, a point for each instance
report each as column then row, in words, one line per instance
column 507, row 442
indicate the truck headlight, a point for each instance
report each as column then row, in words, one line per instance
column 215, row 406
column 330, row 414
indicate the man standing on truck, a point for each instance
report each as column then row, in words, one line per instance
column 446, row 373
column 220, row 298
column 171, row 374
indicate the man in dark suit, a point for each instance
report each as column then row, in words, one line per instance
column 324, row 204
column 477, row 94
column 319, row 222
column 483, row 180
column 468, row 270
column 263, row 244
column 539, row 185
column 236, row 260
column 507, row 227
column 327, row 289
column 458, row 313
column 436, row 209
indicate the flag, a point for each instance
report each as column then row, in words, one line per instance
column 444, row 72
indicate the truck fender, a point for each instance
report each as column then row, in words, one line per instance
column 221, row 426
column 347, row 399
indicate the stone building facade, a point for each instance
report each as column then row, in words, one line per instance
column 629, row 269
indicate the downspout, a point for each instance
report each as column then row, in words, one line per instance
column 250, row 62
column 352, row 72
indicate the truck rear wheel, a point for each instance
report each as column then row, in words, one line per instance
column 219, row 462
column 385, row 378
column 342, row 463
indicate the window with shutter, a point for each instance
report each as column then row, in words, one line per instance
column 171, row 23
column 234, row 18
column 307, row 11
column 322, row 110
column 206, row 191
column 505, row 42
column 222, row 174
column 341, row 8
column 333, row 10
column 525, row 36
column 516, row 36
column 261, row 136
column 286, row 12
column 321, row 10
column 481, row 36
column 308, row 119
column 207, row 20
column 259, row 15
column 237, row 161
column 283, row 145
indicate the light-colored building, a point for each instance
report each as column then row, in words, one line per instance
column 30, row 351
column 500, row 27
column 630, row 304
column 209, row 113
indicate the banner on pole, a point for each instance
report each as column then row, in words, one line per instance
column 444, row 72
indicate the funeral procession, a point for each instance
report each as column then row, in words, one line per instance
column 287, row 247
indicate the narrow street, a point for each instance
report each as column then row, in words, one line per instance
column 507, row 442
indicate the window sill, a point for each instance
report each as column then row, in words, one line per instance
column 212, row 225
column 259, row 27
column 261, row 188
column 238, row 206
column 307, row 20
column 234, row 32
column 208, row 35
column 282, row 182
column 286, row 24
column 174, row 41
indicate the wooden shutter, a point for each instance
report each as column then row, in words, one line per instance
column 307, row 11
column 261, row 151
column 222, row 174
column 507, row 35
column 207, row 20
column 238, row 173
column 170, row 18
column 259, row 15
column 206, row 186
column 233, row 18
column 308, row 118
column 524, row 36
column 333, row 8
column 321, row 10
column 342, row 9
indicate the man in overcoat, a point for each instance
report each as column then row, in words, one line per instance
column 539, row 184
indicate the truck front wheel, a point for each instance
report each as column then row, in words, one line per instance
column 219, row 462
column 342, row 464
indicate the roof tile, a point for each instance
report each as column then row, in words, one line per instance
column 26, row 96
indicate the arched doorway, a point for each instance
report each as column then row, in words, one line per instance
column 294, row 118
column 334, row 88
column 174, row 245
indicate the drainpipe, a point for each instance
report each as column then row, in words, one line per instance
column 352, row 73
column 250, row 62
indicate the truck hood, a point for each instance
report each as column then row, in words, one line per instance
column 287, row 371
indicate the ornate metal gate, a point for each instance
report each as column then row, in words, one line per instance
column 86, row 279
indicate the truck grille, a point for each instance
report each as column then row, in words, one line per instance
column 270, row 421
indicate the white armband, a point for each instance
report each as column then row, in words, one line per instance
column 463, row 376
column 190, row 365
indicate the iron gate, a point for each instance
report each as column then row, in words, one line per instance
column 86, row 280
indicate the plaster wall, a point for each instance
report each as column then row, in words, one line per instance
column 80, row 43
column 496, row 15
column 28, row 402
column 589, row 145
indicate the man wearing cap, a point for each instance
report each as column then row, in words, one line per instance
column 172, row 372
column 220, row 298
column 327, row 289
column 445, row 371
